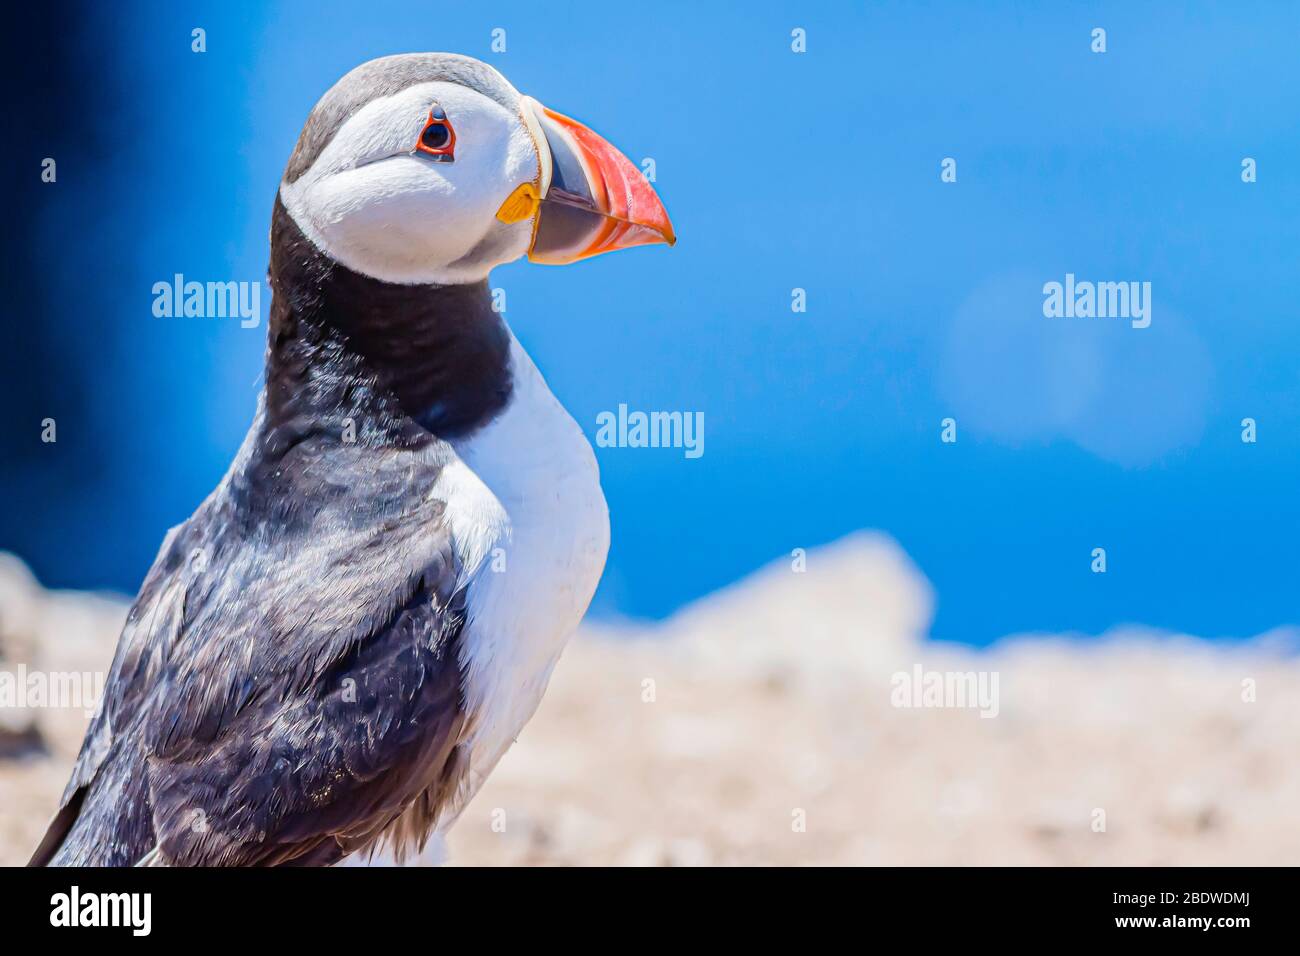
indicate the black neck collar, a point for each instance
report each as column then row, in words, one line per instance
column 406, row 363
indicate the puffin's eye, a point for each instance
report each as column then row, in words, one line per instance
column 435, row 136
column 437, row 139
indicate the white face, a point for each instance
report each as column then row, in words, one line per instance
column 397, row 215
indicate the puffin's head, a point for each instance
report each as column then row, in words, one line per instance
column 431, row 168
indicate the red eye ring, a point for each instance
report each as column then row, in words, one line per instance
column 437, row 139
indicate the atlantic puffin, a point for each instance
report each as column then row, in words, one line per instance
column 334, row 651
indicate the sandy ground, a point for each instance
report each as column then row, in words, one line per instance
column 760, row 726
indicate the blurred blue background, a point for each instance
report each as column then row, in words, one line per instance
column 818, row 171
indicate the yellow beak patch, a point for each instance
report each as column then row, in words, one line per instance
column 520, row 204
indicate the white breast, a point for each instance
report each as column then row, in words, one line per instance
column 530, row 523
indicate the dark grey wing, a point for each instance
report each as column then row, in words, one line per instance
column 282, row 693
column 303, row 769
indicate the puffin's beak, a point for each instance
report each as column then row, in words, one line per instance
column 590, row 198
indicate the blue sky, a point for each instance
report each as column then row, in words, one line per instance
column 780, row 170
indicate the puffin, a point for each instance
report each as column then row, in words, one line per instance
column 328, row 658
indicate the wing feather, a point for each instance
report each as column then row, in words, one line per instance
column 285, row 689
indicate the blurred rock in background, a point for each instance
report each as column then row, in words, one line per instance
column 43, row 632
column 757, row 727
